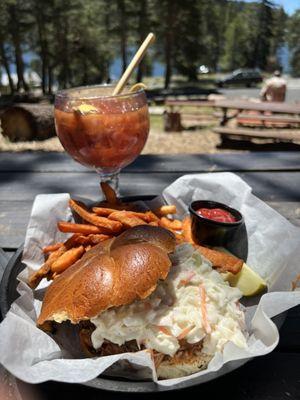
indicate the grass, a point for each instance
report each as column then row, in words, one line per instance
column 157, row 122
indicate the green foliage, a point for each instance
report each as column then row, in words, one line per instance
column 253, row 36
column 75, row 41
column 293, row 37
column 236, row 45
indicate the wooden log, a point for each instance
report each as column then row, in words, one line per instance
column 172, row 122
column 25, row 122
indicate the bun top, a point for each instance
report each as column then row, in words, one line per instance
column 113, row 273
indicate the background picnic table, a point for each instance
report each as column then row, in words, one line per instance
column 274, row 177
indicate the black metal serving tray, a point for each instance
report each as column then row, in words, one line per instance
column 8, row 294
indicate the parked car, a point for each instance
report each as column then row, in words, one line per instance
column 245, row 77
column 203, row 69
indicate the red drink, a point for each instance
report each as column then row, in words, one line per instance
column 99, row 130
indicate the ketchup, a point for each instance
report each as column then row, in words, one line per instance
column 216, row 214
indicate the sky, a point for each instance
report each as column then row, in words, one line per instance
column 289, row 5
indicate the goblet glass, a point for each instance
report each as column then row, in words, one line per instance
column 102, row 131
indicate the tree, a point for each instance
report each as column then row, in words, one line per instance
column 188, row 35
column 236, row 45
column 5, row 57
column 16, row 26
column 142, row 30
column 293, row 35
column 263, row 34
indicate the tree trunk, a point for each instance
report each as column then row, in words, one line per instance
column 17, row 48
column 5, row 63
column 169, row 44
column 168, row 59
column 123, row 33
column 23, row 122
column 43, row 47
column 66, row 64
column 106, row 74
column 142, row 30
column 50, row 79
column 20, row 66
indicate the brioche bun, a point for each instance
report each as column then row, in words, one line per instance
column 176, row 367
column 113, row 273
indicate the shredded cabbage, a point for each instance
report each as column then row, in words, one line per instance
column 177, row 304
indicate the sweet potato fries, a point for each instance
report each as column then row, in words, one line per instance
column 108, row 220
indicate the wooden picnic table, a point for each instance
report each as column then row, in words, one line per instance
column 275, row 178
column 244, row 105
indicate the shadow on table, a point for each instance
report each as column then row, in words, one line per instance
column 274, row 376
column 248, row 145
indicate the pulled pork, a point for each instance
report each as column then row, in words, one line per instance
column 185, row 352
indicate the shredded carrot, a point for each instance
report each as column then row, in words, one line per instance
column 204, row 309
column 185, row 332
column 165, row 330
column 184, row 282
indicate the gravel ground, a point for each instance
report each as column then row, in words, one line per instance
column 196, row 141
column 159, row 142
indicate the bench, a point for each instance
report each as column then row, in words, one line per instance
column 261, row 119
column 237, row 133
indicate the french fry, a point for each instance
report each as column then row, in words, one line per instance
column 52, row 247
column 91, row 239
column 153, row 223
column 115, row 207
column 165, row 210
column 71, row 242
column 113, row 226
column 222, row 261
column 109, row 193
column 80, row 228
column 175, row 224
column 126, row 218
column 147, row 216
column 152, row 216
column 67, row 259
column 38, row 275
column 103, row 211
column 187, row 231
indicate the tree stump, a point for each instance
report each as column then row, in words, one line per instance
column 172, row 122
column 25, row 122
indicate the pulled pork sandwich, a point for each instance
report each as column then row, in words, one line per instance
column 128, row 296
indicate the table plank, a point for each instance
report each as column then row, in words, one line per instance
column 270, row 186
column 61, row 162
column 283, row 108
column 276, row 188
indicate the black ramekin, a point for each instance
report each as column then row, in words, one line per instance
column 230, row 235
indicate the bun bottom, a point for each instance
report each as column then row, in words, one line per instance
column 188, row 359
column 176, row 368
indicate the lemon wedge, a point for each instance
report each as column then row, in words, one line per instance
column 136, row 87
column 248, row 281
column 85, row 109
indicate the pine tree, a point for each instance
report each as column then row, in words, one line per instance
column 293, row 35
